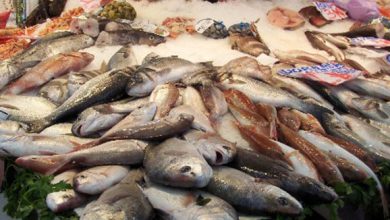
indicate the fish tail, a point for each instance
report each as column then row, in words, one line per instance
column 46, row 165
column 37, row 125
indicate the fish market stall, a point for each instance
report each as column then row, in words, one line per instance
column 192, row 109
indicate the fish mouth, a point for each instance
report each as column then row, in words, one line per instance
column 77, row 129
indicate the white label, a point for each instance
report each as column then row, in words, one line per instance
column 202, row 25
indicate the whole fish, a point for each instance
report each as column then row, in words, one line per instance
column 67, row 199
column 124, row 200
column 301, row 55
column 124, row 57
column 192, row 97
column 12, row 69
column 165, row 96
column 330, row 147
column 96, row 180
column 246, row 194
column 120, row 152
column 226, row 127
column 24, row 108
column 11, row 127
column 309, row 122
column 58, row 129
column 104, row 116
column 50, row 68
column 18, row 145
column 157, row 70
column 179, row 204
column 327, row 169
column 77, row 79
column 336, row 127
column 99, row 89
column 268, row 171
column 216, row 150
column 288, row 118
column 372, row 136
column 214, row 100
column 261, row 92
column 246, row 66
column 200, row 122
column 248, row 44
column 132, row 37
column 56, row 90
column 318, row 42
column 370, row 87
column 177, row 163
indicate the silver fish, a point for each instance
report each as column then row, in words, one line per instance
column 177, row 163
column 56, row 90
column 165, row 96
column 134, row 37
column 179, row 204
column 77, row 79
column 370, row 87
column 192, row 97
column 124, row 57
column 382, row 127
column 11, row 127
column 246, row 66
column 95, row 180
column 245, row 193
column 125, row 200
column 201, row 121
column 58, row 129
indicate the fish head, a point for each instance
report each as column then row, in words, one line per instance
column 371, row 106
column 89, row 121
column 281, row 201
column 86, row 178
column 216, row 150
column 151, row 39
column 146, row 111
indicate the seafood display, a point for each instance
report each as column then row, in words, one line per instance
column 162, row 136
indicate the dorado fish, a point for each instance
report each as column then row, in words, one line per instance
column 318, row 42
column 125, row 200
column 124, row 57
column 327, row 169
column 370, row 87
column 50, row 68
column 200, row 122
column 104, row 116
column 132, row 37
column 96, row 180
column 124, row 152
column 246, row 66
column 66, row 199
column 56, row 90
column 247, row 194
column 165, row 96
column 157, row 70
column 177, row 163
column 179, row 204
column 269, row 171
column 214, row 100
column 99, row 89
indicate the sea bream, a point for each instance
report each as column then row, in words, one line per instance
column 133, row 37
column 48, row 69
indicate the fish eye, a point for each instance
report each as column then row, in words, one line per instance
column 185, row 169
column 151, row 37
column 282, row 201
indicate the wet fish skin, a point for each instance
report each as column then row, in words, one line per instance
column 165, row 96
column 125, row 200
column 214, row 100
column 11, row 127
column 120, row 152
column 350, row 172
column 289, row 119
column 133, row 37
column 309, row 122
column 182, row 204
column 177, row 163
column 56, row 90
column 117, row 26
column 226, row 127
column 201, row 121
column 192, row 97
column 299, row 54
column 246, row 66
column 246, row 194
column 99, row 89
column 58, row 129
column 383, row 127
column 77, row 79
column 320, row 43
column 248, row 44
column 269, row 112
column 124, row 57
column 96, row 180
column 371, row 87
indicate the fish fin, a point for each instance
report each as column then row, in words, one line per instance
column 43, row 164
column 103, row 67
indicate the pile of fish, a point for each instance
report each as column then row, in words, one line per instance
column 181, row 140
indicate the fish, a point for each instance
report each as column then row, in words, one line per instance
column 177, row 163
column 97, row 179
column 93, row 26
column 124, row 200
column 117, row 26
column 246, row 194
column 300, row 55
column 52, row 36
column 18, row 145
column 165, row 96
column 215, row 149
column 11, row 127
column 67, row 199
column 266, row 170
column 24, row 108
column 124, row 57
column 156, row 70
column 101, row 117
column 288, row 118
column 192, row 97
column 201, row 121
column 330, row 147
column 339, row 41
column 270, row 114
column 214, row 100
column 99, row 89
column 226, row 127
column 120, row 152
column 77, row 79
column 248, row 44
column 184, row 204
column 370, row 87
column 246, row 66
column 308, row 122
column 327, row 169
column 370, row 30
column 319, row 42
column 50, row 68
column 56, row 90
column 58, row 129
column 260, row 92
column 371, row 136
column 13, row 68
column 132, row 37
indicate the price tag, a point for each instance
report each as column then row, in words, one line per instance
column 202, row 25
column 330, row 11
column 330, row 73
column 370, row 42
